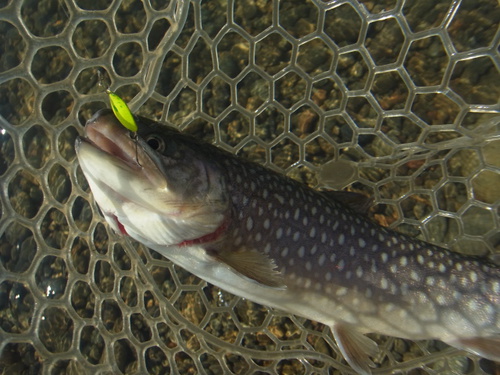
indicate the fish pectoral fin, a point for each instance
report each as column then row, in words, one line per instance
column 355, row 347
column 487, row 347
column 252, row 264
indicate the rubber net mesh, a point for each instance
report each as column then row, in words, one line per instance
column 397, row 99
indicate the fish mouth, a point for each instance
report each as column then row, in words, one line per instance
column 104, row 133
column 108, row 156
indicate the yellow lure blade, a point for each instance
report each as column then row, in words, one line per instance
column 122, row 111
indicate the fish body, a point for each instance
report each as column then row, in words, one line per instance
column 267, row 238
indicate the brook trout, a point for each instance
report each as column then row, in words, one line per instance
column 272, row 240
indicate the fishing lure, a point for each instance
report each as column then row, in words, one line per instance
column 122, row 111
column 125, row 117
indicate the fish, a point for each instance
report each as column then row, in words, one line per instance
column 275, row 241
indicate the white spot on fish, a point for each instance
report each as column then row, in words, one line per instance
column 267, row 224
column 312, row 232
column 267, row 248
column 341, row 265
column 359, row 272
column 265, row 193
column 296, row 236
column 333, row 256
column 296, row 215
column 341, row 239
column 389, row 307
column 321, row 219
column 279, row 233
column 305, row 221
column 341, row 292
column 420, row 259
column 314, row 249
column 308, row 266
column 328, row 276
column 414, row 275
column 464, row 282
column 249, row 223
column 279, row 198
column 384, row 257
column 404, row 288
column 321, row 260
column 284, row 252
column 403, row 261
column 473, row 276
column 495, row 286
column 393, row 268
column 384, row 284
column 352, row 251
column 302, row 251
column 361, row 242
column 441, row 299
column 258, row 237
column 442, row 267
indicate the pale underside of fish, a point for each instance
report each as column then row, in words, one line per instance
column 274, row 241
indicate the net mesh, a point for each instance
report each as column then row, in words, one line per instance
column 398, row 99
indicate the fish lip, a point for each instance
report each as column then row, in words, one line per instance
column 105, row 134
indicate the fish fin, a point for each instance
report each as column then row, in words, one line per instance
column 487, row 347
column 355, row 201
column 252, row 264
column 355, row 347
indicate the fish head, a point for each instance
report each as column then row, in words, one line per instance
column 153, row 185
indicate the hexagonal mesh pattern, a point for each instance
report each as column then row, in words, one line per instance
column 406, row 91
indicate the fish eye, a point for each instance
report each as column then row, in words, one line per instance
column 155, row 143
